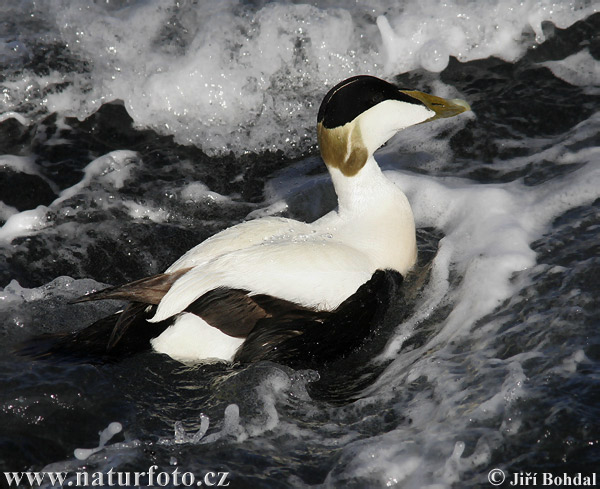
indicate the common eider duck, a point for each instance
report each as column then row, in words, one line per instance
column 242, row 293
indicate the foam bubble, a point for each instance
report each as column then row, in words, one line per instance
column 198, row 192
column 105, row 435
column 231, row 426
column 24, row 164
column 182, row 437
column 434, row 56
column 24, row 223
column 141, row 211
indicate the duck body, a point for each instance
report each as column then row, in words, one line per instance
column 275, row 270
column 316, row 265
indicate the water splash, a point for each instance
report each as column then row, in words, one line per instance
column 105, row 436
column 233, row 76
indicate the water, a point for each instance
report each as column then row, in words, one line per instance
column 133, row 130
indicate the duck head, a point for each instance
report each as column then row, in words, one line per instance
column 360, row 114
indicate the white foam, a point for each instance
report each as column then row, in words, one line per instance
column 109, row 171
column 229, row 76
column 580, row 69
column 569, row 365
column 231, row 426
column 488, row 230
column 220, row 79
column 182, row 437
column 22, row 164
column 25, row 164
column 197, row 192
column 105, row 435
column 6, row 211
column 65, row 287
column 23, row 90
column 427, row 32
column 137, row 210
column 24, row 223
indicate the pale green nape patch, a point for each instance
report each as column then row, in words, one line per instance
column 343, row 147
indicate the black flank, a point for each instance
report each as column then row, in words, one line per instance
column 314, row 338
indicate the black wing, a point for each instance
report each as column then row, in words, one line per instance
column 316, row 337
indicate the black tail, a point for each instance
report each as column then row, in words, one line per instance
column 91, row 344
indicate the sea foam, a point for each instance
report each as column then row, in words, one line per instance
column 108, row 172
column 232, row 76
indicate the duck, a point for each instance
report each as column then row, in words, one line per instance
column 244, row 292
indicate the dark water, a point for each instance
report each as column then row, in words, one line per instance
column 507, row 380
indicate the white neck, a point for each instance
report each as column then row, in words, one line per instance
column 378, row 216
column 356, row 194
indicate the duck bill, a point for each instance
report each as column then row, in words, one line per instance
column 443, row 108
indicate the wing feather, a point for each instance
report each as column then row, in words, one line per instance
column 305, row 272
column 240, row 236
column 148, row 290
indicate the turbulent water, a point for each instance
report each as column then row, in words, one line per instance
column 130, row 131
